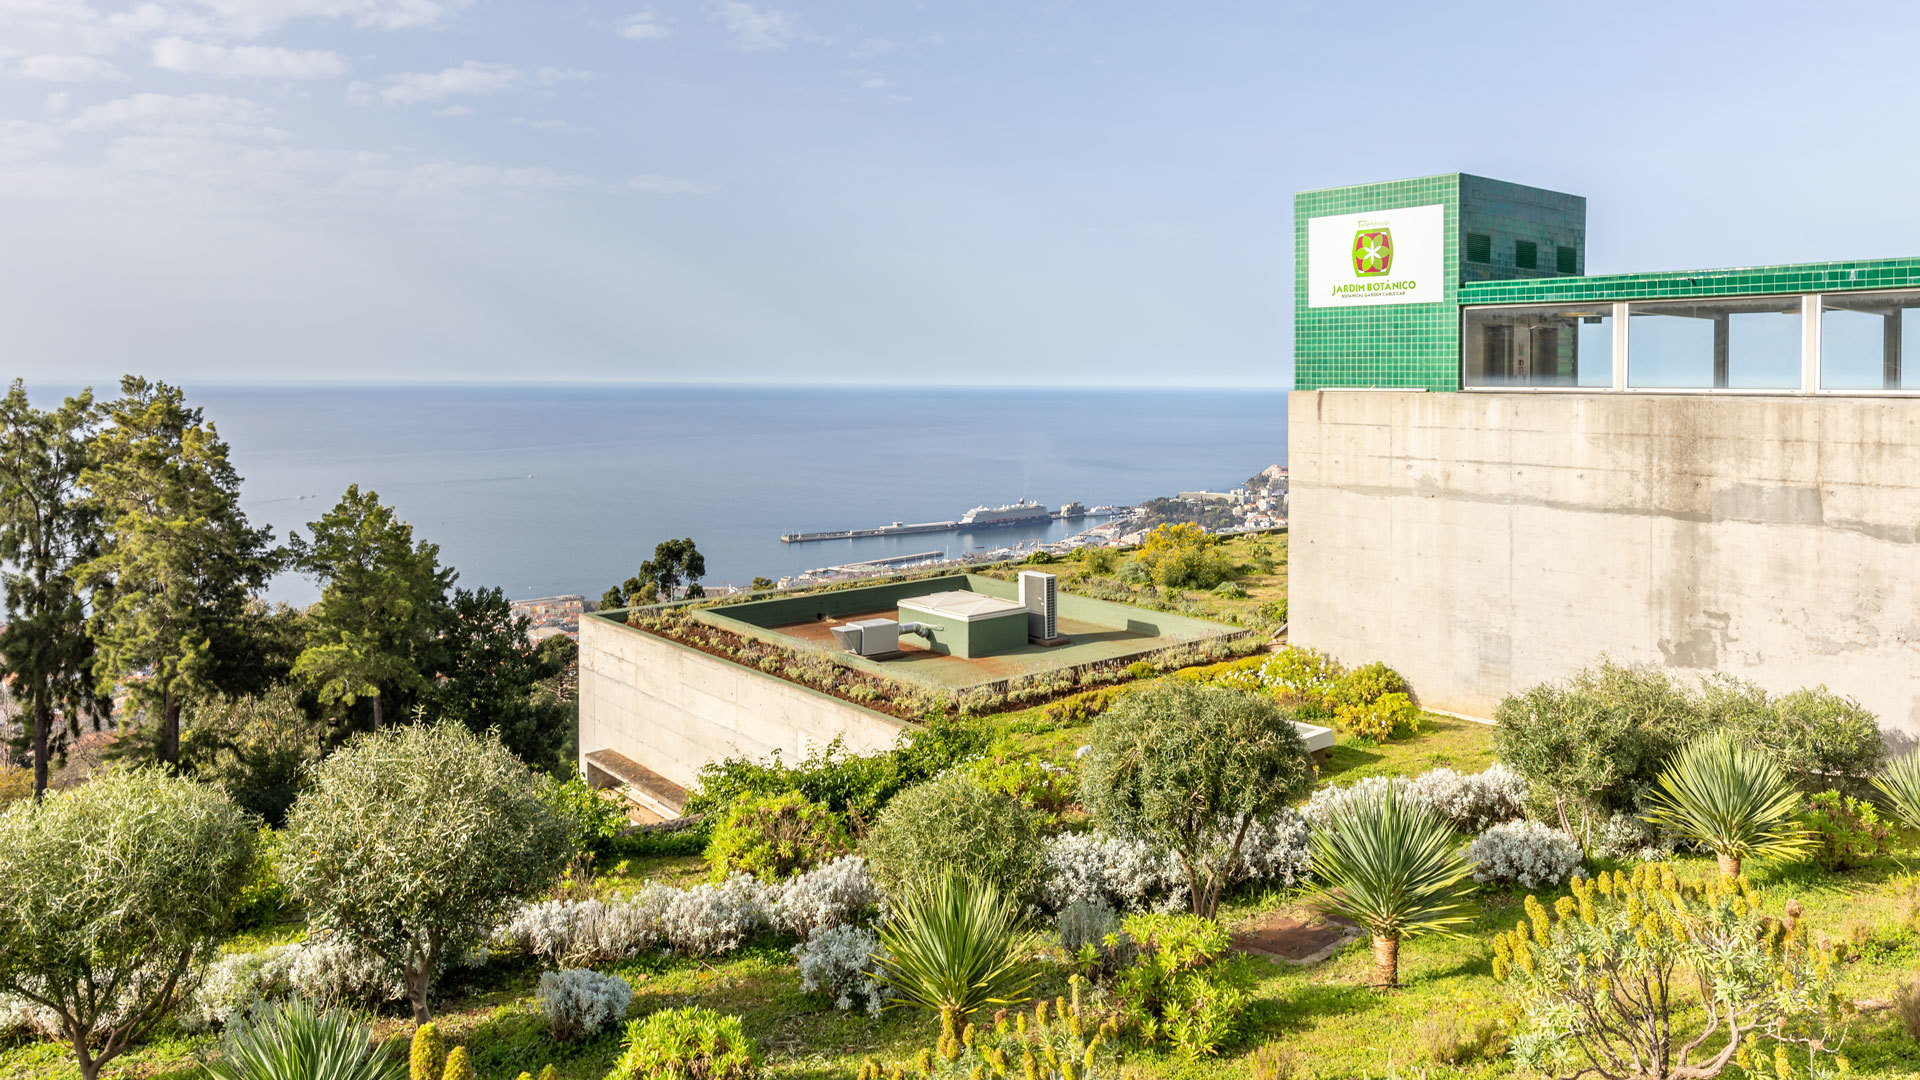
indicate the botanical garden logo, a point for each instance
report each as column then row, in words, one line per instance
column 1372, row 252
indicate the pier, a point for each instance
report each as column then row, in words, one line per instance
column 899, row 528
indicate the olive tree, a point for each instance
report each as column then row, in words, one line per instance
column 1191, row 768
column 111, row 895
column 413, row 842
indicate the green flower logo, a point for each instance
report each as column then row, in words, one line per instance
column 1372, row 252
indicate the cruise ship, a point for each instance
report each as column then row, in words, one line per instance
column 1024, row 512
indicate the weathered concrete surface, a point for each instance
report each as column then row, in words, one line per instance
column 1483, row 542
column 673, row 709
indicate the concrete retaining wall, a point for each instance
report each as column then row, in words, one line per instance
column 673, row 709
column 1483, row 542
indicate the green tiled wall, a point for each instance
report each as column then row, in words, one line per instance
column 1408, row 346
column 1737, row 281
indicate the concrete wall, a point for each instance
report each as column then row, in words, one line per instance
column 1483, row 542
column 673, row 709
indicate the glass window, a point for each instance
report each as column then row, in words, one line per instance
column 1526, row 255
column 1479, row 248
column 1743, row 344
column 1870, row 341
column 1547, row 345
column 1566, row 260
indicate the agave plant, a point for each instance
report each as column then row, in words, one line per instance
column 1731, row 798
column 1899, row 782
column 1392, row 865
column 292, row 1040
column 953, row 945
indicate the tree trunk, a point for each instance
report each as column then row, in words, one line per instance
column 1729, row 865
column 1386, row 962
column 42, row 736
column 417, row 976
column 376, row 710
column 170, row 728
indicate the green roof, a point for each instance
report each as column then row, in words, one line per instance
column 1730, row 281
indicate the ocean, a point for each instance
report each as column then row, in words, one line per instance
column 565, row 489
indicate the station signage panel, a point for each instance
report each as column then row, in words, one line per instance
column 1381, row 257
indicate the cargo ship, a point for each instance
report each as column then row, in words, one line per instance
column 1024, row 512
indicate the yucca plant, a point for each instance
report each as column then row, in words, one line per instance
column 1731, row 798
column 1393, row 866
column 1899, row 782
column 292, row 1040
column 953, row 945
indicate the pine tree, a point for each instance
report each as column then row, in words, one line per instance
column 382, row 603
column 179, row 560
column 46, row 532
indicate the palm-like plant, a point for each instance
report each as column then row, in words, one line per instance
column 295, row 1041
column 1899, row 782
column 1731, row 798
column 1393, row 866
column 953, row 945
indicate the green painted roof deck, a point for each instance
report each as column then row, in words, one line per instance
column 1101, row 631
column 1819, row 277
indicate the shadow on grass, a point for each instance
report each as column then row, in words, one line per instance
column 1345, row 757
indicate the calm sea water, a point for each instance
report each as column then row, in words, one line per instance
column 565, row 489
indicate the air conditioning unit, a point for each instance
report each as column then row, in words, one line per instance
column 1040, row 595
column 868, row 637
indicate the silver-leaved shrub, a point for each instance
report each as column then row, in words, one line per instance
column 1525, row 853
column 577, row 1003
column 839, row 962
column 1474, row 801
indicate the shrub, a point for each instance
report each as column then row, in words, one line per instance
column 414, row 841
column 1062, row 1042
column 1182, row 556
column 953, row 946
column 1187, row 986
column 840, row 963
column 427, row 1056
column 1041, row 786
column 1365, row 685
column 1276, row 851
column 1300, row 673
column 263, row 899
column 1899, row 784
column 1190, row 768
column 852, row 784
column 593, row 820
column 1729, row 797
column 1846, row 832
column 1592, row 746
column 954, row 825
column 707, row 920
column 295, row 1041
column 1627, row 837
column 1526, row 853
column 1619, row 954
column 1332, row 801
column 578, row 1003
column 774, row 837
column 1379, row 720
column 1131, row 875
column 687, row 1044
column 833, row 894
column 1474, row 801
column 1820, row 739
column 1387, row 863
column 110, row 894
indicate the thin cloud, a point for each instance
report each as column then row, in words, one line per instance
column 757, row 29
column 67, row 69
column 471, row 79
column 643, row 26
column 655, row 184
column 255, row 17
column 246, row 61
column 197, row 116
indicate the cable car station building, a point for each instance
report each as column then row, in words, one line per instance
column 1503, row 469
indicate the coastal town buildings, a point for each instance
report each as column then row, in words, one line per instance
column 1504, row 468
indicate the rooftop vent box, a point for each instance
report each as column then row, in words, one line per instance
column 1040, row 595
column 869, row 637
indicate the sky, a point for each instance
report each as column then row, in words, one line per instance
column 1090, row 193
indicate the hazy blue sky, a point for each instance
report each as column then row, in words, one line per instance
column 876, row 192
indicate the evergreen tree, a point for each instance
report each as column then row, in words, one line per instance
column 382, row 604
column 46, row 532
column 488, row 674
column 673, row 562
column 179, row 561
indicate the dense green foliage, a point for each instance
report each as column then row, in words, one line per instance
column 687, row 1044
column 1845, row 831
column 47, row 532
column 110, row 894
column 414, row 842
column 293, row 1040
column 1187, row 986
column 1389, row 863
column 673, row 562
column 1190, row 768
column 853, row 784
column 256, row 748
column 1729, row 797
column 178, row 561
column 951, row 944
column 594, row 821
column 1183, row 556
column 1060, row 1039
column 954, row 825
column 489, row 678
column 774, row 837
column 1612, row 980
